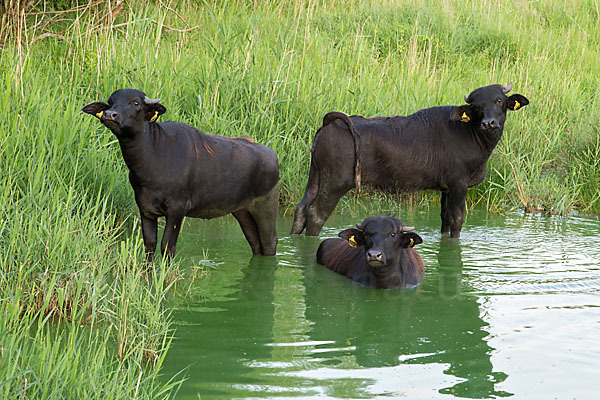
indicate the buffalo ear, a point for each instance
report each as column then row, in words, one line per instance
column 353, row 236
column 462, row 113
column 154, row 110
column 96, row 109
column 516, row 101
column 410, row 240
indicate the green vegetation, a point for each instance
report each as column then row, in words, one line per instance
column 79, row 315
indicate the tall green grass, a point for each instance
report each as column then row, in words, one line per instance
column 80, row 316
column 271, row 70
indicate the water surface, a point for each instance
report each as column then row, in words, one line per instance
column 512, row 309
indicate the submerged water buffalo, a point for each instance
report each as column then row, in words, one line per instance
column 442, row 148
column 378, row 254
column 176, row 171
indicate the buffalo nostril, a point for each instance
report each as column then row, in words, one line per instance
column 110, row 115
column 374, row 255
column 489, row 124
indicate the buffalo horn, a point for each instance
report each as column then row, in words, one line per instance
column 150, row 101
column 408, row 228
column 508, row 88
column 467, row 99
column 359, row 226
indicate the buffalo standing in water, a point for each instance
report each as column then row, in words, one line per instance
column 379, row 254
column 442, row 148
column 176, row 171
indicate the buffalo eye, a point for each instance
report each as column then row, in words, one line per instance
column 393, row 234
column 136, row 103
column 498, row 101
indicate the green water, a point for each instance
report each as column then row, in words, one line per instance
column 512, row 309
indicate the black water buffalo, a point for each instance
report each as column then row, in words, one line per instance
column 176, row 171
column 442, row 148
column 378, row 254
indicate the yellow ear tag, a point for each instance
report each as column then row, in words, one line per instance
column 412, row 243
column 154, row 117
column 99, row 114
column 351, row 241
column 465, row 118
column 517, row 105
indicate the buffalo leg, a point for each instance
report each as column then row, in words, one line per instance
column 149, row 233
column 250, row 230
column 169, row 239
column 310, row 194
column 264, row 212
column 444, row 214
column 456, row 210
column 322, row 207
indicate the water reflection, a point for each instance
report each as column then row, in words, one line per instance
column 219, row 340
column 287, row 327
column 461, row 329
column 433, row 324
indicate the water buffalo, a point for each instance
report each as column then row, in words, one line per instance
column 442, row 148
column 378, row 254
column 176, row 171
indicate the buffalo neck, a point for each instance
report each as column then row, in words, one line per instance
column 402, row 273
column 486, row 141
column 388, row 275
column 137, row 147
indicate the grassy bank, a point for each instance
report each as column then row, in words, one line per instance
column 269, row 70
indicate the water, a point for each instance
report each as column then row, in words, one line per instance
column 512, row 309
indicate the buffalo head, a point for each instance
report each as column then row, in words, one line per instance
column 486, row 107
column 127, row 109
column 383, row 239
